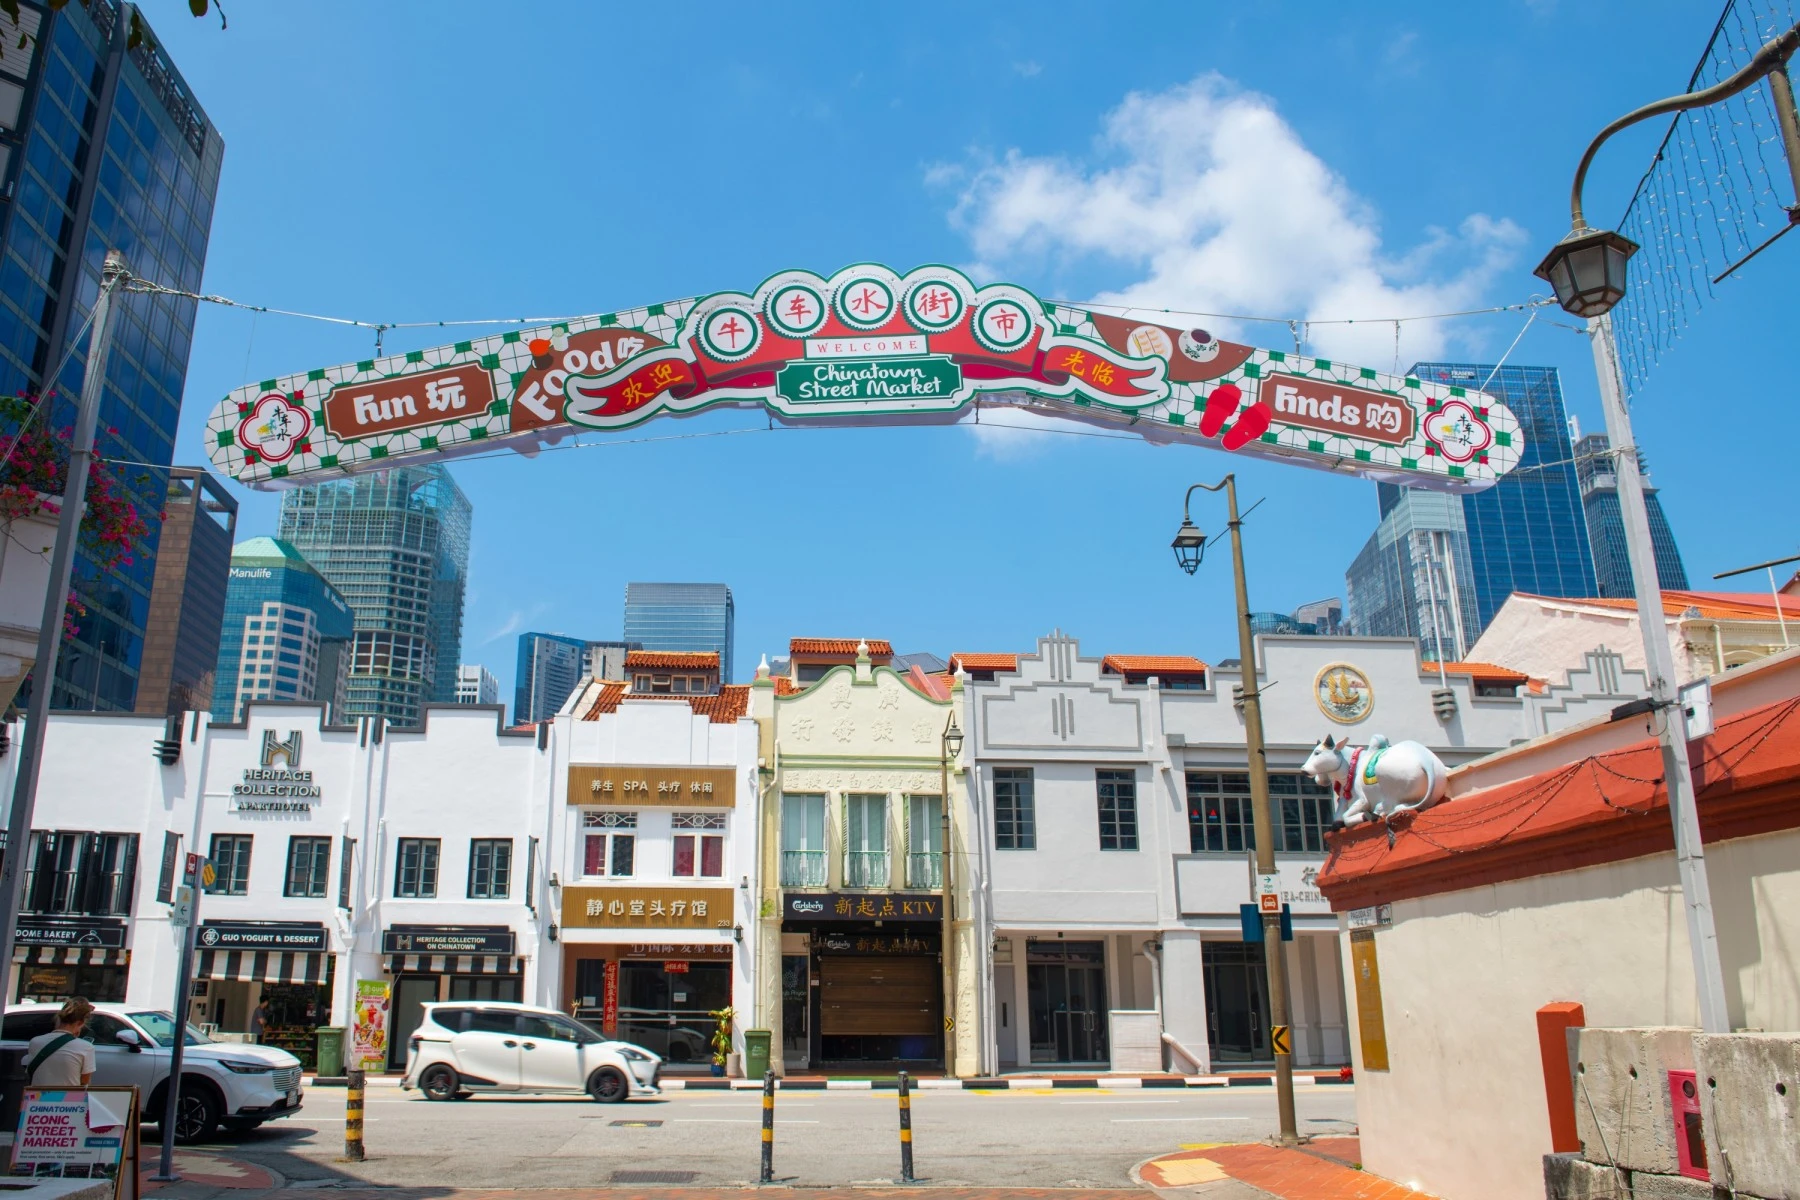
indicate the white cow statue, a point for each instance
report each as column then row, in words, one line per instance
column 1379, row 780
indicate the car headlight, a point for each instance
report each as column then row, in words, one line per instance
column 633, row 1054
column 246, row 1066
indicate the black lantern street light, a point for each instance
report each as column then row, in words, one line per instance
column 1587, row 270
column 1190, row 545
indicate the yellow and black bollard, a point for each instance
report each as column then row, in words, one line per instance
column 768, row 1128
column 906, row 1166
column 353, row 1118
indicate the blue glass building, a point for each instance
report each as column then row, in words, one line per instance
column 1606, row 525
column 396, row 545
column 682, row 616
column 549, row 667
column 1527, row 533
column 102, row 147
column 267, row 638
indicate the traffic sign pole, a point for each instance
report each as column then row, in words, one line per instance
column 199, row 870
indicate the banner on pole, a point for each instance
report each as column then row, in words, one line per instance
column 369, row 1031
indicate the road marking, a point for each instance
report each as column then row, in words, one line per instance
column 1121, row 1102
column 742, row 1121
column 1167, row 1120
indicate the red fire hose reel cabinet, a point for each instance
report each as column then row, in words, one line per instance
column 1690, row 1144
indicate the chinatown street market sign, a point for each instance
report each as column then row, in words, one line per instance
column 866, row 346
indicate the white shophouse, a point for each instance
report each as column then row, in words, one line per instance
column 342, row 853
column 1117, row 839
column 651, row 801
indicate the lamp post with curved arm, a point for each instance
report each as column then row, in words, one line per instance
column 1189, row 546
column 1587, row 270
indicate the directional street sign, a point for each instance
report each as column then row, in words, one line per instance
column 183, row 914
column 1282, row 1041
column 949, row 1024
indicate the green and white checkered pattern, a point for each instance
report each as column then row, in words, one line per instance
column 506, row 358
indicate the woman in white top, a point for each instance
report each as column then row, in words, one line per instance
column 61, row 1058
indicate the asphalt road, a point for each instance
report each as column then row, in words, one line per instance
column 1065, row 1138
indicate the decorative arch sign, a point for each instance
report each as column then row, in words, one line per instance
column 864, row 346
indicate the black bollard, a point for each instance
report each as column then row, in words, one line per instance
column 906, row 1164
column 768, row 1128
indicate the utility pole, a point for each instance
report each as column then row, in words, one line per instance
column 1690, row 855
column 113, row 275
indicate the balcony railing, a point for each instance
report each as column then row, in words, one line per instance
column 925, row 871
column 802, row 868
column 866, row 868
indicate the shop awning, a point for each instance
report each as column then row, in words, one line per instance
column 454, row 964
column 264, row 966
column 73, row 956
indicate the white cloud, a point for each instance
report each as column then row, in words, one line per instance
column 515, row 622
column 1220, row 206
column 1030, row 68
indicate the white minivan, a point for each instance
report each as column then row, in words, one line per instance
column 461, row 1048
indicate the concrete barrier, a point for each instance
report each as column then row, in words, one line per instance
column 1750, row 1110
column 1621, row 1084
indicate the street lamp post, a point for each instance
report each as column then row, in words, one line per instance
column 1189, row 547
column 949, row 747
column 1587, row 271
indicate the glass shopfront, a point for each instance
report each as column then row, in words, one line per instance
column 658, row 996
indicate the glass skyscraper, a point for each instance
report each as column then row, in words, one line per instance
column 1414, row 576
column 549, row 667
column 682, row 616
column 102, row 147
column 1606, row 525
column 1528, row 532
column 396, row 545
column 287, row 631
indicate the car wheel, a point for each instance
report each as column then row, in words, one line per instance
column 608, row 1085
column 196, row 1114
column 438, row 1083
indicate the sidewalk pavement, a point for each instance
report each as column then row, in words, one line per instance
column 696, row 1083
column 1323, row 1169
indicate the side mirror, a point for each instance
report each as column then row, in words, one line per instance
column 132, row 1042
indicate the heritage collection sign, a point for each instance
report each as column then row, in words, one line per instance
column 690, row 787
column 646, row 908
column 276, row 788
column 863, row 906
column 866, row 344
column 447, row 939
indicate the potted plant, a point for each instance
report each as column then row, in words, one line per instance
column 721, row 1037
column 34, row 469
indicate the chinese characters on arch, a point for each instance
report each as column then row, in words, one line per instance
column 865, row 345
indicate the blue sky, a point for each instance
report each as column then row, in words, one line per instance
column 445, row 161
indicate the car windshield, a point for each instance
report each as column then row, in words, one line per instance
column 161, row 1026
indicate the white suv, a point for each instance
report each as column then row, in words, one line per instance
column 222, row 1083
column 488, row 1046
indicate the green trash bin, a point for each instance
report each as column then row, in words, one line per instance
column 756, row 1053
column 331, row 1051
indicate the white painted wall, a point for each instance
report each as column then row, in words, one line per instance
column 1461, row 1113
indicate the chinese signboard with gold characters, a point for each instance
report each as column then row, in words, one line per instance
column 693, row 787
column 646, row 908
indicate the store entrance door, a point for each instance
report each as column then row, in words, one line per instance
column 411, row 994
column 796, row 1010
column 669, row 1012
column 1067, row 992
column 1237, row 1001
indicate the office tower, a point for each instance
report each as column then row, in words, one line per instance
column 1413, row 577
column 286, row 634
column 395, row 543
column 475, row 684
column 1527, row 533
column 682, row 616
column 187, row 597
column 102, row 147
column 606, row 660
column 549, row 667
column 1325, row 616
column 1594, row 469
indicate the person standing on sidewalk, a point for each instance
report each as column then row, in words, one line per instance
column 60, row 1058
column 259, row 1018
